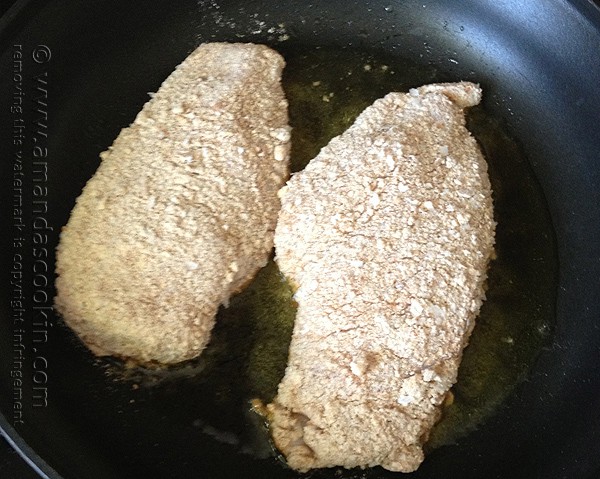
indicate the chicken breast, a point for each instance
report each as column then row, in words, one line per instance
column 181, row 212
column 387, row 235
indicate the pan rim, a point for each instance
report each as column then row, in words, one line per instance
column 26, row 452
column 11, row 20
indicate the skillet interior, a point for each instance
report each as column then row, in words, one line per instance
column 541, row 85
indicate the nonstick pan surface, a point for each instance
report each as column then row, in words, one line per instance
column 80, row 72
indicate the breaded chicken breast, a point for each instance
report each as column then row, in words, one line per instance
column 181, row 212
column 387, row 235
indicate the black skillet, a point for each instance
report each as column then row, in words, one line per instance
column 85, row 69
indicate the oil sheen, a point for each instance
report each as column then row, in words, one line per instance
column 327, row 89
column 247, row 355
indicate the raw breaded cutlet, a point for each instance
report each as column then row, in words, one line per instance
column 387, row 234
column 181, row 212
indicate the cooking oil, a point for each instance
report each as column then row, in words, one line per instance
column 247, row 354
column 327, row 89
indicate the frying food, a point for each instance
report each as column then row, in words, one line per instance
column 387, row 235
column 180, row 214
